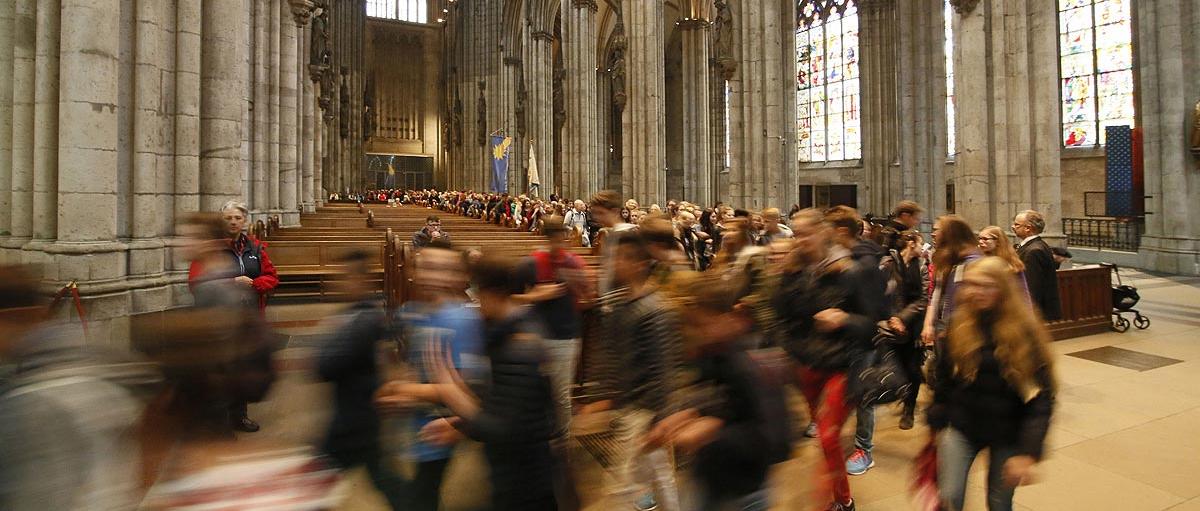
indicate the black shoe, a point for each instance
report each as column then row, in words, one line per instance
column 906, row 419
column 835, row 506
column 244, row 424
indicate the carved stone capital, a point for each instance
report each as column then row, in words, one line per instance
column 964, row 7
column 512, row 61
column 542, row 35
column 580, row 4
column 302, row 11
column 693, row 23
column 315, row 72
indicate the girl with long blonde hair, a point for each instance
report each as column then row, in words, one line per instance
column 993, row 386
column 994, row 242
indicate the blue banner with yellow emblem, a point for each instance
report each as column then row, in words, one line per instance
column 500, row 150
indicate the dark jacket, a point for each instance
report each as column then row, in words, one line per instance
column 868, row 255
column 989, row 411
column 833, row 283
column 640, row 356
column 1042, row 277
column 516, row 419
column 347, row 359
column 423, row 238
column 753, row 409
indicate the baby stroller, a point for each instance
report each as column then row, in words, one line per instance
column 1123, row 299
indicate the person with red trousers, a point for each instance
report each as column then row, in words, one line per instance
column 254, row 269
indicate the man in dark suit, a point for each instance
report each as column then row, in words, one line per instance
column 1040, row 268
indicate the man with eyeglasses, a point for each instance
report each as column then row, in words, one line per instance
column 431, row 231
column 1040, row 269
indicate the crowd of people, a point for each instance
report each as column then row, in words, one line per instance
column 698, row 321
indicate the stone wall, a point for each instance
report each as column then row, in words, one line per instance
column 121, row 115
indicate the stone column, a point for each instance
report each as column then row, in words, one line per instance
column 45, row 117
column 877, row 85
column 539, row 69
column 149, row 141
column 6, row 112
column 918, row 134
column 288, row 200
column 187, row 106
column 643, row 121
column 697, row 136
column 763, row 128
column 1168, row 64
column 260, row 199
column 581, row 151
column 274, row 130
column 1009, row 153
column 220, row 99
column 24, row 45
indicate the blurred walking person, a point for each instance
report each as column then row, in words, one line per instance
column 735, row 423
column 348, row 359
column 828, row 330
column 68, row 414
column 639, row 367
column 993, row 389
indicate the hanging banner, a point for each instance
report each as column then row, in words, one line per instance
column 500, row 146
column 535, row 183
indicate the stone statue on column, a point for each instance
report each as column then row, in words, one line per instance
column 1196, row 130
column 481, row 120
column 723, row 39
column 344, row 104
column 318, row 51
column 369, row 107
column 616, row 64
column 559, row 104
column 457, row 120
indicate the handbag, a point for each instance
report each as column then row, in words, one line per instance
column 880, row 378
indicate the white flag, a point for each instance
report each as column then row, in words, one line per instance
column 533, row 169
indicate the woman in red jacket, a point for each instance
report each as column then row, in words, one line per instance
column 254, row 269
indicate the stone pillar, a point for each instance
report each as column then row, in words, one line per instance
column 24, row 44
column 1009, row 152
column 877, row 85
column 288, row 156
column 762, row 122
column 45, row 118
column 149, row 141
column 187, row 106
column 918, row 134
column 260, row 199
column 220, row 99
column 643, row 121
column 1168, row 60
column 274, row 130
column 581, row 142
column 539, row 69
column 6, row 129
column 697, row 136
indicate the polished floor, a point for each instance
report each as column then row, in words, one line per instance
column 1125, row 436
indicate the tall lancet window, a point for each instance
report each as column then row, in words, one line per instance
column 828, row 108
column 1096, row 67
column 416, row 11
column 948, row 16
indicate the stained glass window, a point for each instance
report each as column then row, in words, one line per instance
column 948, row 16
column 1096, row 51
column 828, row 113
column 416, row 11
